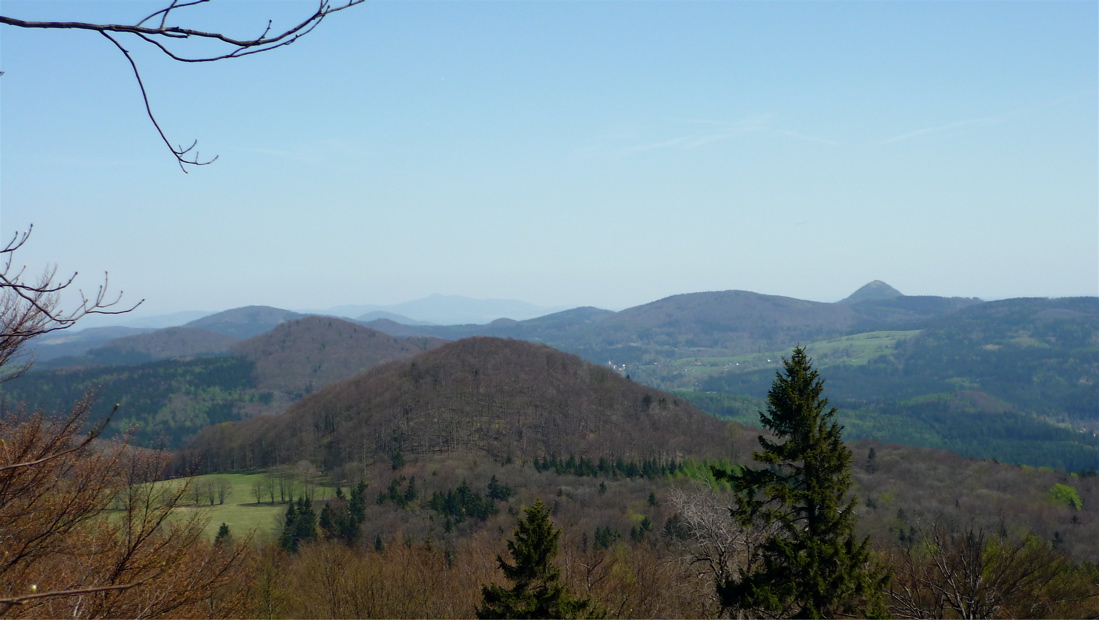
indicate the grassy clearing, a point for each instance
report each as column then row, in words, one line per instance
column 858, row 349
column 240, row 511
column 854, row 350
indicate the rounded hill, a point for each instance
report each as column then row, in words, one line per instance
column 505, row 399
column 308, row 353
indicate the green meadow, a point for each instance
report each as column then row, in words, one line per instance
column 855, row 350
column 241, row 512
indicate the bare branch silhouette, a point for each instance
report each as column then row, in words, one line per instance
column 30, row 308
column 177, row 43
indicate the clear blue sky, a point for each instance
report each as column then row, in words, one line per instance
column 565, row 153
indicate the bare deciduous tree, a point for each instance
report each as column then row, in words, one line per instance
column 30, row 308
column 179, row 42
column 970, row 575
column 712, row 537
column 61, row 554
column 223, row 488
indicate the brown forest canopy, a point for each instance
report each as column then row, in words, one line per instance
column 507, row 399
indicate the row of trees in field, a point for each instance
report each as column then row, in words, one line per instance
column 212, row 490
column 288, row 482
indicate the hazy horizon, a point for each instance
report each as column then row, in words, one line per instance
column 565, row 154
column 140, row 313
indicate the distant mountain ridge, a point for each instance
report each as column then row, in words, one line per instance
column 375, row 315
column 719, row 323
column 245, row 322
column 458, row 310
column 912, row 363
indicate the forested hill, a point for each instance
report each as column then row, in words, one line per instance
column 1016, row 380
column 162, row 344
column 245, row 322
column 506, row 399
column 166, row 401
column 299, row 356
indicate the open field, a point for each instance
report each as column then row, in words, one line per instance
column 855, row 350
column 241, row 512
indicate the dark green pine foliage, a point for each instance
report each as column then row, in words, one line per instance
column 356, row 506
column 536, row 590
column 499, row 491
column 223, row 537
column 341, row 518
column 461, row 503
column 300, row 525
column 811, row 565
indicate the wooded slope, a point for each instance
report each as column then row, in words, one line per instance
column 506, row 399
column 312, row 352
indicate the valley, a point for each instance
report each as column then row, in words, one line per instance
column 414, row 449
column 1016, row 380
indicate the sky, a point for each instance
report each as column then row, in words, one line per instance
column 562, row 153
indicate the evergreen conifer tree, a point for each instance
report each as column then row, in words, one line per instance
column 300, row 524
column 536, row 590
column 224, row 537
column 287, row 540
column 811, row 565
column 306, row 526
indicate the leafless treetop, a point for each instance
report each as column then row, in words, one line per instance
column 161, row 30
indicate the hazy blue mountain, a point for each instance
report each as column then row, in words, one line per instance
column 173, row 319
column 553, row 329
column 459, row 310
column 245, row 322
column 72, row 342
column 389, row 316
column 874, row 290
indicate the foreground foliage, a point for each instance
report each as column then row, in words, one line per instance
column 65, row 553
column 811, row 565
column 968, row 574
column 536, row 591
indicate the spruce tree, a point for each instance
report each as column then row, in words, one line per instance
column 224, row 537
column 810, row 565
column 536, row 590
column 288, row 540
column 300, row 525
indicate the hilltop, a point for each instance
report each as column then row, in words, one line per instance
column 299, row 356
column 506, row 399
column 874, row 290
column 245, row 322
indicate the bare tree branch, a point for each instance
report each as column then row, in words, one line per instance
column 19, row 600
column 92, row 436
column 177, row 43
column 29, row 308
